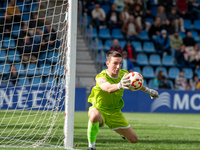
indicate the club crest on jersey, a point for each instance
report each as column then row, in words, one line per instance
column 102, row 80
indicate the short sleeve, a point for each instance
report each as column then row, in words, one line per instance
column 100, row 81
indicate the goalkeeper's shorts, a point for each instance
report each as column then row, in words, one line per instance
column 114, row 120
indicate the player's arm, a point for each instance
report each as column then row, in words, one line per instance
column 111, row 88
column 151, row 92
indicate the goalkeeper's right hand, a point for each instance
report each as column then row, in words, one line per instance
column 124, row 83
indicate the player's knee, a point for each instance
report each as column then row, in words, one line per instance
column 94, row 116
column 134, row 139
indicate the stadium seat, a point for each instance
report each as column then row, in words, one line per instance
column 22, row 7
column 49, row 82
column 188, row 73
column 171, row 84
column 148, row 72
column 197, row 71
column 173, row 72
column 20, row 69
column 97, row 45
column 9, row 43
column 154, row 10
column 16, row 30
column 122, row 44
column 106, row 8
column 155, row 60
column 168, row 61
column 145, row 83
column 36, row 81
column 188, row 24
column 144, row 36
column 53, row 57
column 151, row 84
column 4, row 68
column 101, row 59
column 91, row 33
column 182, row 34
column 85, row 20
column 33, row 5
column 104, row 33
column 2, row 56
column 45, row 70
column 25, row 17
column 150, row 20
column 32, row 70
column 23, row 81
column 58, row 70
column 163, row 69
column 142, row 59
column 148, row 47
column 195, row 36
column 196, row 25
column 137, row 69
column 137, row 45
column 108, row 44
column 13, row 56
column 117, row 34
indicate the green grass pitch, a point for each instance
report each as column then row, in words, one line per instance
column 155, row 131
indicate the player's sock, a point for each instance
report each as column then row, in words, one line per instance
column 92, row 133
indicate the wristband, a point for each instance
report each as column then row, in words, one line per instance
column 118, row 86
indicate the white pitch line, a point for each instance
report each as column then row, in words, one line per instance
column 183, row 127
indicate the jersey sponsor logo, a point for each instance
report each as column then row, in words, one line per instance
column 163, row 100
column 102, row 80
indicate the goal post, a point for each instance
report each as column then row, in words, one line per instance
column 71, row 74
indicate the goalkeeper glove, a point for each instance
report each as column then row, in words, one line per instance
column 124, row 83
column 151, row 92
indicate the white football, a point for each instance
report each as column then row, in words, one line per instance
column 136, row 81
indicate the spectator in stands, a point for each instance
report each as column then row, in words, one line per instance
column 43, row 47
column 175, row 42
column 112, row 18
column 188, row 87
column 26, row 50
column 130, row 51
column 42, row 10
column 12, row 76
column 167, row 4
column 130, row 29
column 24, row 32
column 161, row 14
column 5, row 26
column 182, row 8
column 155, row 29
column 176, row 20
column 147, row 8
column 38, row 36
column 180, row 81
column 163, row 43
column 189, row 42
column 35, row 22
column 50, row 35
column 139, row 17
column 193, row 7
column 87, row 4
column 119, row 4
column 124, row 15
column 98, row 17
column 158, row 79
column 194, row 57
column 169, row 27
column 194, row 81
column 126, row 63
column 164, row 83
column 116, row 46
column 198, row 86
column 129, row 2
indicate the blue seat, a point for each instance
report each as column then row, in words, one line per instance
column 16, row 30
column 58, row 70
column 91, row 33
column 22, row 7
column 97, row 45
column 36, row 81
column 106, row 8
column 150, row 20
column 25, row 17
column 188, row 73
column 9, row 43
column 104, row 33
column 154, row 10
column 117, row 34
column 188, row 24
column 2, row 56
column 45, row 70
column 61, row 82
column 148, row 47
column 144, row 35
column 161, row 69
column 20, row 69
column 155, row 60
column 33, row 5
column 173, row 72
column 168, row 61
column 151, row 84
column 53, row 57
column 197, row 71
column 145, row 82
column 196, row 25
column 195, row 36
column 4, row 68
column 13, row 56
column 108, row 44
column 182, row 34
column 85, row 20
column 23, row 81
column 49, row 82
column 122, row 44
column 101, row 59
column 148, row 72
column 171, row 84
column 32, row 70
column 137, row 69
column 137, row 45
column 142, row 59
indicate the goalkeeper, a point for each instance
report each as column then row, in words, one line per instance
column 106, row 99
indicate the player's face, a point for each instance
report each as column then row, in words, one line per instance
column 114, row 66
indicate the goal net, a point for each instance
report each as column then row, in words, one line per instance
column 35, row 71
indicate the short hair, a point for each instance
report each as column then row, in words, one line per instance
column 112, row 54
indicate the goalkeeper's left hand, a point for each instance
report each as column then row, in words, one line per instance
column 151, row 92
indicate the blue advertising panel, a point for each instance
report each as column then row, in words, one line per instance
column 168, row 102
column 38, row 98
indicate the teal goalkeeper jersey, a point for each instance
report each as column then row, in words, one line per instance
column 102, row 100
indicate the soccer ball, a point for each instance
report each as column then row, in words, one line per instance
column 136, row 81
